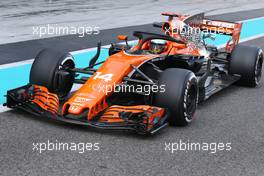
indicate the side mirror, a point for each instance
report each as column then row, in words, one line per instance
column 122, row 37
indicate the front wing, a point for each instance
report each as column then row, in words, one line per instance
column 36, row 100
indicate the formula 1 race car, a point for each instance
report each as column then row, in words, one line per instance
column 145, row 87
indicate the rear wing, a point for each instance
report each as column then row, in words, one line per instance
column 232, row 29
column 206, row 25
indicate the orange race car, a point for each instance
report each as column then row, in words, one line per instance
column 144, row 87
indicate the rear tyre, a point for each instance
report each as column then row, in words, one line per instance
column 180, row 95
column 247, row 62
column 49, row 70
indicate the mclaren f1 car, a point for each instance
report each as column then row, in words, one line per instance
column 164, row 77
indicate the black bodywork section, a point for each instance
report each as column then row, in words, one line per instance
column 212, row 72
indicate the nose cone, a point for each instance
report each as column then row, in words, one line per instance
column 93, row 94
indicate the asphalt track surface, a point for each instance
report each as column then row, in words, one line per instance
column 234, row 116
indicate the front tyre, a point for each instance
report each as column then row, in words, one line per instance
column 49, row 69
column 180, row 95
column 247, row 62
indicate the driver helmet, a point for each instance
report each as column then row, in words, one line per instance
column 157, row 46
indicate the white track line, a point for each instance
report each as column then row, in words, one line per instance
column 4, row 109
column 17, row 64
column 251, row 38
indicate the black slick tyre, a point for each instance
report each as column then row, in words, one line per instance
column 49, row 69
column 247, row 62
column 180, row 95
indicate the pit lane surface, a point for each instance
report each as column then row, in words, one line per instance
column 234, row 115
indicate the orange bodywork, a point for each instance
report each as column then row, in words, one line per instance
column 92, row 95
column 112, row 114
column 92, row 105
column 122, row 37
column 45, row 99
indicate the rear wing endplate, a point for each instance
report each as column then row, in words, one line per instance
column 206, row 25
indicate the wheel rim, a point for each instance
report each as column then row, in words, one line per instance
column 66, row 64
column 191, row 102
column 259, row 69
